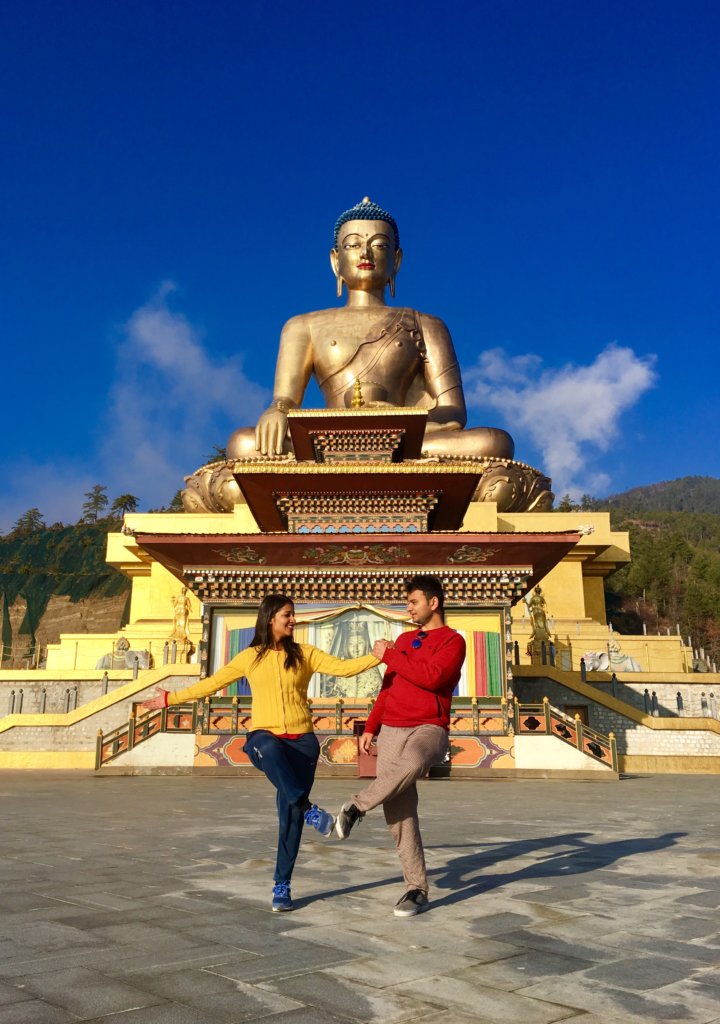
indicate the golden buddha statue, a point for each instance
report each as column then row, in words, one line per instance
column 370, row 354
column 399, row 357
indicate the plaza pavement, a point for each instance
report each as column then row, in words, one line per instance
column 146, row 901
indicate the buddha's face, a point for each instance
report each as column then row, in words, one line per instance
column 365, row 257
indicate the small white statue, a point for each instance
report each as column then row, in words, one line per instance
column 123, row 657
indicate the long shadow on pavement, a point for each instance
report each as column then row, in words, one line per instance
column 463, row 874
column 463, row 877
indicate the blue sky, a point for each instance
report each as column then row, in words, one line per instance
column 171, row 173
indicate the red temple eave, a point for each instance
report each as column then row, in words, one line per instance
column 537, row 552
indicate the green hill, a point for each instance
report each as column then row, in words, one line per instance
column 56, row 560
column 674, row 576
column 687, row 494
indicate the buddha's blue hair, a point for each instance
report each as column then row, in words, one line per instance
column 367, row 210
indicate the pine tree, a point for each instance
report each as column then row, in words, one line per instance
column 218, row 454
column 29, row 522
column 176, row 504
column 124, row 503
column 96, row 503
column 566, row 504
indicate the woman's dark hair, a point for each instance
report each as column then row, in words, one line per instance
column 263, row 639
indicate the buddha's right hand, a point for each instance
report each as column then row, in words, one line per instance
column 270, row 432
column 160, row 700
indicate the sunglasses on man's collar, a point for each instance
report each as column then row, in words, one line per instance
column 417, row 642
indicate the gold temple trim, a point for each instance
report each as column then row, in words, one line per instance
column 385, row 411
column 419, row 468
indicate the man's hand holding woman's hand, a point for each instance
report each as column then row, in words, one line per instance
column 160, row 700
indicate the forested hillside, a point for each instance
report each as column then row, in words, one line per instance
column 674, row 576
column 55, row 578
column 688, row 494
column 54, row 561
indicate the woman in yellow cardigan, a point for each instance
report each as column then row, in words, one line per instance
column 281, row 741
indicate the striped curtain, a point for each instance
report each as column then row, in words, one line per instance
column 488, row 668
column 461, row 690
column 237, row 640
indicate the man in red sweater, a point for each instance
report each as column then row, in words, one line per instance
column 413, row 707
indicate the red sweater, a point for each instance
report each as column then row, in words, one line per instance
column 419, row 681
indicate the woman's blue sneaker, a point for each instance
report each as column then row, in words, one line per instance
column 320, row 820
column 282, row 900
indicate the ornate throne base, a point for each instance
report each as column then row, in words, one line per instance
column 373, row 436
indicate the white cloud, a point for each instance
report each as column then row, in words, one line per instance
column 570, row 414
column 170, row 402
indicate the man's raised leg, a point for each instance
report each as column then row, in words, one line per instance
column 404, row 756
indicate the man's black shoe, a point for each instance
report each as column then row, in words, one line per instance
column 413, row 902
column 348, row 816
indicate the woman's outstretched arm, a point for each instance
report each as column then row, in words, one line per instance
column 239, row 666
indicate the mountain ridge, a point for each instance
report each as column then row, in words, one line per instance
column 684, row 494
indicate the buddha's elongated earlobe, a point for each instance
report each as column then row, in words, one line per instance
column 391, row 282
column 339, row 284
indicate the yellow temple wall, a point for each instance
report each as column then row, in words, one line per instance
column 574, row 589
column 240, row 520
column 151, row 605
column 564, row 591
column 480, row 621
column 594, row 596
column 595, row 527
column 481, row 517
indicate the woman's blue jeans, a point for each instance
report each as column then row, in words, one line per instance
column 290, row 766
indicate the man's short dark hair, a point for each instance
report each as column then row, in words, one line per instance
column 430, row 586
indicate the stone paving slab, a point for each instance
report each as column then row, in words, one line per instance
column 463, row 991
column 83, row 992
column 34, row 1011
column 146, row 901
column 682, row 1003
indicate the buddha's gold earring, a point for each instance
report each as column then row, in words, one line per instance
column 391, row 282
column 339, row 284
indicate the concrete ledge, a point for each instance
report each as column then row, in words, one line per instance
column 26, row 676
column 516, row 774
column 60, row 760
column 349, row 772
column 550, row 753
column 656, row 764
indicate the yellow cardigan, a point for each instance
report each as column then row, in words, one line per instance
column 279, row 694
